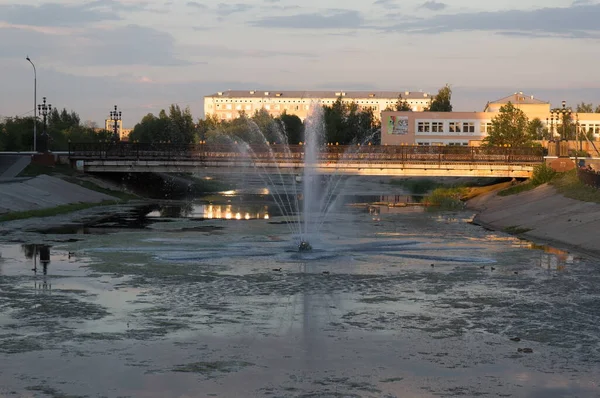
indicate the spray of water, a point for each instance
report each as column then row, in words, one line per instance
column 305, row 200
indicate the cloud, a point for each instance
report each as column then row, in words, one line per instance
column 127, row 45
column 195, row 4
column 389, row 4
column 225, row 9
column 337, row 19
column 215, row 52
column 433, row 5
column 53, row 14
column 572, row 22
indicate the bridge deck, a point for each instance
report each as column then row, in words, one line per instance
column 358, row 160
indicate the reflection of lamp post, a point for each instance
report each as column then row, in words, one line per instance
column 115, row 116
column 34, row 105
column 44, row 110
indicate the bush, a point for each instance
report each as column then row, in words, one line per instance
column 542, row 174
column 448, row 198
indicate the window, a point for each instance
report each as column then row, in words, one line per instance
column 454, row 127
column 238, row 107
column 485, row 127
column 228, row 106
column 437, row 127
column 468, row 127
column 268, row 107
column 248, row 107
column 423, row 127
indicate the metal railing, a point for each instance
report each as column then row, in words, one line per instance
column 295, row 153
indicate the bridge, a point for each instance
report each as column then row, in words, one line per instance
column 367, row 160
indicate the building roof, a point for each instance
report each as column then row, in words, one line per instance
column 319, row 94
column 520, row 98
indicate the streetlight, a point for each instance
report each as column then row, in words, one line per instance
column 44, row 110
column 34, row 105
column 563, row 113
column 115, row 116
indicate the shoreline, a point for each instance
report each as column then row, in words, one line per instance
column 547, row 217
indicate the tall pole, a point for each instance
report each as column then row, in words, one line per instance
column 45, row 110
column 115, row 116
column 34, row 105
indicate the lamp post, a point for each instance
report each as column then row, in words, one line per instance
column 44, row 110
column 34, row 105
column 115, row 116
column 563, row 113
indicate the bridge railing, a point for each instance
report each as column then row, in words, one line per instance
column 295, row 153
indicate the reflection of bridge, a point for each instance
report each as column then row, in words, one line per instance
column 376, row 160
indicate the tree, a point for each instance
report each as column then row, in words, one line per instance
column 442, row 101
column 151, row 128
column 176, row 127
column 181, row 125
column 509, row 128
column 292, row 127
column 402, row 105
column 597, row 110
column 585, row 108
column 536, row 129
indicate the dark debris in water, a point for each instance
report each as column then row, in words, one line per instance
column 52, row 392
column 210, row 368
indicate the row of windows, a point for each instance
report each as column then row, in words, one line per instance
column 324, row 101
column 440, row 127
column 248, row 107
column 594, row 128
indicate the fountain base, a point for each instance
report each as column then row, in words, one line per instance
column 304, row 247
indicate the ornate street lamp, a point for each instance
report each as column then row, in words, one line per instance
column 34, row 105
column 44, row 110
column 115, row 116
column 563, row 113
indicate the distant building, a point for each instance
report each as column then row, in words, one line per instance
column 228, row 105
column 470, row 128
column 109, row 125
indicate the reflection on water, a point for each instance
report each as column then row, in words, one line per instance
column 33, row 251
column 389, row 304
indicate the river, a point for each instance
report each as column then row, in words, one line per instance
column 213, row 299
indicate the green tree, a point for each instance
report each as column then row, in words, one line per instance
column 537, row 130
column 401, row 105
column 151, row 128
column 566, row 128
column 442, row 101
column 16, row 134
column 597, row 110
column 181, row 128
column 585, row 108
column 509, row 128
column 348, row 123
column 209, row 123
column 292, row 127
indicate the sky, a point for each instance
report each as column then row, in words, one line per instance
column 143, row 55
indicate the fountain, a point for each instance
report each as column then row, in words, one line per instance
column 304, row 202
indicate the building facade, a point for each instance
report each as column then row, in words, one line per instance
column 109, row 125
column 229, row 104
column 470, row 128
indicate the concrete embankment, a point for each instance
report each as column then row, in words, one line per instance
column 543, row 215
column 22, row 194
